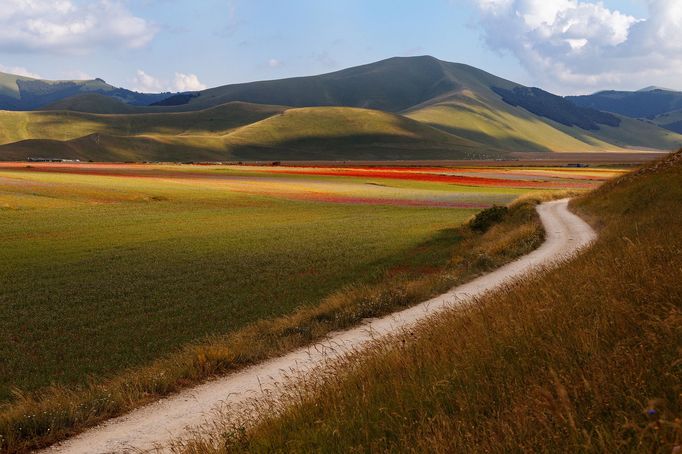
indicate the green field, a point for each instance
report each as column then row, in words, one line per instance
column 139, row 280
column 92, row 288
column 101, row 273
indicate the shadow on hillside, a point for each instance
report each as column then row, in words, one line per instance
column 362, row 147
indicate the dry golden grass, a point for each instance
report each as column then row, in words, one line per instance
column 36, row 420
column 584, row 358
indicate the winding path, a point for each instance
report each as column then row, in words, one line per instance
column 156, row 424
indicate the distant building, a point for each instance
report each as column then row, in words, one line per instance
column 52, row 160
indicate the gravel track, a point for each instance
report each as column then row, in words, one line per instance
column 153, row 426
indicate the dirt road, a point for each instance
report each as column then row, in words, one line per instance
column 154, row 425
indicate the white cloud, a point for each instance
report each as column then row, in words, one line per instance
column 274, row 63
column 70, row 26
column 19, row 71
column 147, row 83
column 188, row 82
column 579, row 45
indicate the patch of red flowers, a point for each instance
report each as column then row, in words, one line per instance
column 440, row 178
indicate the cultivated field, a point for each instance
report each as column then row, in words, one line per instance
column 583, row 358
column 109, row 268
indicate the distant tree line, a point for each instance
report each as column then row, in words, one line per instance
column 556, row 108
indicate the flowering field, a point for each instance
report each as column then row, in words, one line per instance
column 475, row 187
column 105, row 267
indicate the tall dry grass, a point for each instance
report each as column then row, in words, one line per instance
column 39, row 419
column 584, row 358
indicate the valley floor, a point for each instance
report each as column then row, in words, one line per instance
column 181, row 415
column 125, row 283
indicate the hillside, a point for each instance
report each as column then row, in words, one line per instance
column 468, row 102
column 25, row 93
column 645, row 103
column 391, row 85
column 671, row 121
column 66, row 125
column 583, row 358
column 478, row 114
column 329, row 132
column 236, row 131
column 96, row 103
column 481, row 112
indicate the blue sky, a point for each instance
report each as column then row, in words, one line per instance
column 155, row 45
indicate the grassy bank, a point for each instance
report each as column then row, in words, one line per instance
column 122, row 290
column 584, row 358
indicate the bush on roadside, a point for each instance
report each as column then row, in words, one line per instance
column 488, row 217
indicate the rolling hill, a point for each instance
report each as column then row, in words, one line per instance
column 233, row 131
column 457, row 98
column 400, row 108
column 26, row 93
column 533, row 120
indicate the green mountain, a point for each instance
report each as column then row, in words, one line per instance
column 25, row 93
column 400, row 108
column 646, row 103
column 390, row 85
column 459, row 99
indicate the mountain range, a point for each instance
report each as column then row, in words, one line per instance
column 399, row 108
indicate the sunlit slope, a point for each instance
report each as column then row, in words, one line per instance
column 421, row 108
column 65, row 125
column 454, row 97
column 477, row 112
column 234, row 131
column 497, row 125
column 329, row 132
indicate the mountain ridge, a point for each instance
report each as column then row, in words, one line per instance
column 26, row 93
column 465, row 112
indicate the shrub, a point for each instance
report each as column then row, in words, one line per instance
column 488, row 217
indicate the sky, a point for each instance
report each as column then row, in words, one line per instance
column 565, row 46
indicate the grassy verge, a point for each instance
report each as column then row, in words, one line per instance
column 37, row 419
column 584, row 358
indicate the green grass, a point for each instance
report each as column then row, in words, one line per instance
column 90, row 289
column 65, row 125
column 502, row 126
column 583, row 358
column 119, row 290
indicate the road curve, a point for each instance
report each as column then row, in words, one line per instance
column 153, row 426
